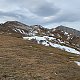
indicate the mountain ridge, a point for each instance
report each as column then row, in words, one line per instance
column 61, row 34
column 24, row 26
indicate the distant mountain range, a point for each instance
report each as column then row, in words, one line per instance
column 62, row 35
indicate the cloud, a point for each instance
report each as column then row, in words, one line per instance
column 69, row 17
column 31, row 11
column 44, row 12
column 7, row 18
column 65, row 17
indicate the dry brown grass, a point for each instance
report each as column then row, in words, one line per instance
column 24, row 60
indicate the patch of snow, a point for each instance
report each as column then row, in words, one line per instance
column 43, row 40
column 68, row 49
column 62, row 31
column 61, row 41
column 48, row 31
column 68, row 38
column 15, row 30
column 58, row 35
column 65, row 33
column 73, row 44
column 28, row 38
column 54, row 29
column 45, row 43
column 23, row 32
column 66, row 42
column 68, row 35
column 71, row 37
column 49, row 38
column 77, row 62
column 35, row 32
column 19, row 30
column 34, row 37
column 31, row 33
column 43, row 33
column 55, row 73
column 52, row 34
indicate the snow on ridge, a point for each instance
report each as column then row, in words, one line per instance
column 44, row 41
column 16, row 29
column 19, row 30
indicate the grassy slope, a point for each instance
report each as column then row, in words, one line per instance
column 24, row 60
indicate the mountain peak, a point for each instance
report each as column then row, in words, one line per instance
column 15, row 23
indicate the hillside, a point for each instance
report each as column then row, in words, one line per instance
column 25, row 60
column 38, row 53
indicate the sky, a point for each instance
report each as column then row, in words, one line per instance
column 48, row 13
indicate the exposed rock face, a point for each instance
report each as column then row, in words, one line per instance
column 69, row 30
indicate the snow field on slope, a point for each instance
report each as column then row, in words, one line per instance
column 43, row 40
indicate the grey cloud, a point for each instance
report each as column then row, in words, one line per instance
column 36, row 8
column 45, row 10
column 11, row 14
column 64, row 18
column 41, row 11
column 40, row 8
column 68, row 18
column 20, row 17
